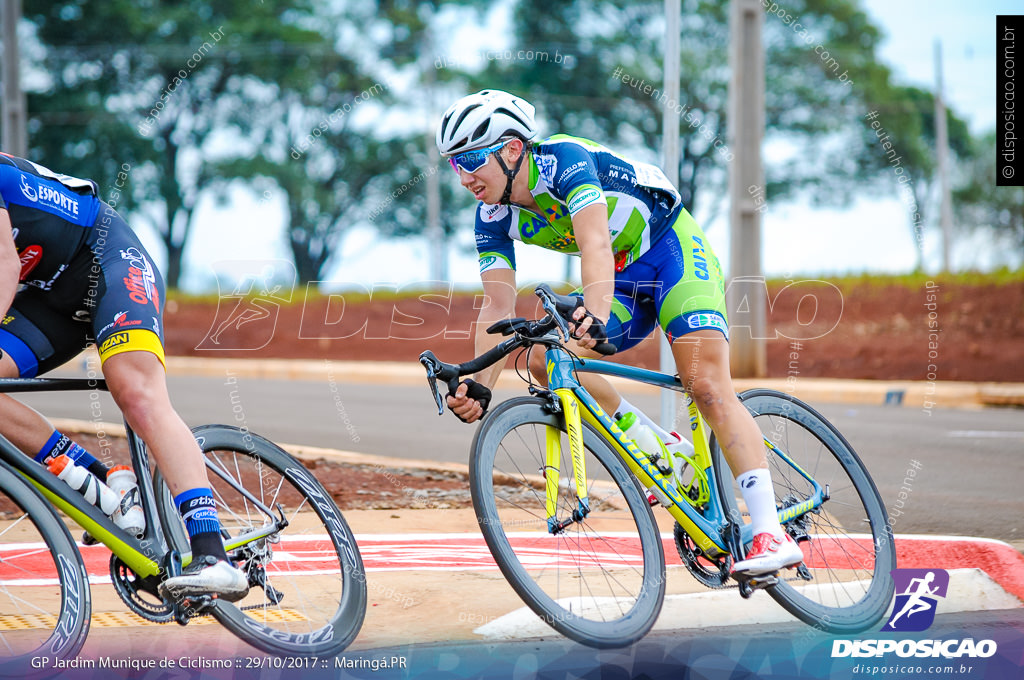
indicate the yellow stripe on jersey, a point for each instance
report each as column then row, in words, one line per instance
column 135, row 339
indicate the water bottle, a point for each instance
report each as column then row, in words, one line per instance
column 85, row 482
column 648, row 442
column 128, row 515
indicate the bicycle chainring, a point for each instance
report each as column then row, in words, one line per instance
column 139, row 593
column 712, row 572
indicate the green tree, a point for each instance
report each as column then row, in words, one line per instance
column 901, row 129
column 172, row 96
column 982, row 206
column 611, row 51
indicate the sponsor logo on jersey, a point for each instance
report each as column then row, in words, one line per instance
column 583, row 198
column 47, row 285
column 546, row 166
column 141, row 279
column 49, row 197
column 555, row 212
column 28, row 190
column 121, row 321
column 700, row 261
column 30, row 257
column 531, row 227
column 7, row 320
column 114, row 340
column 493, row 213
column 704, row 320
column 487, row 261
column 573, row 169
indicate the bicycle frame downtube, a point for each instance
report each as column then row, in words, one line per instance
column 128, row 548
column 703, row 531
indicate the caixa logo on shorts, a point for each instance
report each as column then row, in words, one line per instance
column 918, row 592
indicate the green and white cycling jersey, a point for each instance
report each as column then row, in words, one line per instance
column 567, row 174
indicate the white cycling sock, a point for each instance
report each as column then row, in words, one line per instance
column 759, row 495
column 625, row 407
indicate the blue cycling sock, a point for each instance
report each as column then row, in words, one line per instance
column 199, row 511
column 59, row 444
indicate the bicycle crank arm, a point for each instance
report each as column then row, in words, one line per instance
column 748, row 584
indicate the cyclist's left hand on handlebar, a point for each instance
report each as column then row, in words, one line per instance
column 469, row 402
column 588, row 330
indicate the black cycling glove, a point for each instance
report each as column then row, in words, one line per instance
column 475, row 390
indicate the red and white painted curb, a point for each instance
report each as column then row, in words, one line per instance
column 468, row 552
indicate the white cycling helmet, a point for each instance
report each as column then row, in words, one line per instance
column 481, row 119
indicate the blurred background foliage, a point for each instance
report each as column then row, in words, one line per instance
column 330, row 107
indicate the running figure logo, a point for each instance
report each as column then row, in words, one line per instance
column 917, row 592
column 247, row 311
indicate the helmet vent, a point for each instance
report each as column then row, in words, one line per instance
column 513, row 115
column 466, row 112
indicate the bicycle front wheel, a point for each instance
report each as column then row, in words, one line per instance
column 601, row 580
column 45, row 602
column 847, row 543
column 308, row 588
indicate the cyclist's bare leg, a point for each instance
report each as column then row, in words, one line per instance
column 138, row 384
column 25, row 427
column 702, row 359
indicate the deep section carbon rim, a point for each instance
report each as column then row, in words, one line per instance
column 848, row 547
column 600, row 581
column 309, row 589
column 45, row 601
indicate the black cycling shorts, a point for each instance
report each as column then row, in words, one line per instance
column 110, row 294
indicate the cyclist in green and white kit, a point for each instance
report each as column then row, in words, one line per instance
column 644, row 262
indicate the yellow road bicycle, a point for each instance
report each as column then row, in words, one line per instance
column 307, row 586
column 559, row 494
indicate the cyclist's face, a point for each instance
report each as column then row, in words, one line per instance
column 488, row 183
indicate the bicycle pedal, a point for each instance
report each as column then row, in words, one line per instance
column 89, row 539
column 764, row 581
column 189, row 608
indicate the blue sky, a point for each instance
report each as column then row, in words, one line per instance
column 799, row 240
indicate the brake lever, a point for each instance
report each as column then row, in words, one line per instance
column 430, row 363
column 561, row 324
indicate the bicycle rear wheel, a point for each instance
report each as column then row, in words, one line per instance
column 849, row 549
column 45, row 601
column 601, row 581
column 308, row 593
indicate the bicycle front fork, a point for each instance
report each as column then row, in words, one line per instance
column 553, row 456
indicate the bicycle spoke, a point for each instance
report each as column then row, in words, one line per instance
column 595, row 568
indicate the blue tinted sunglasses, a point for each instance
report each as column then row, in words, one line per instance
column 471, row 161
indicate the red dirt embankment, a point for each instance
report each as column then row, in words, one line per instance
column 936, row 330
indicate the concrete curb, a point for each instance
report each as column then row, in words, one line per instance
column 970, row 589
column 908, row 393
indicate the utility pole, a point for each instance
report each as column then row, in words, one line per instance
column 670, row 164
column 746, row 130
column 435, row 232
column 942, row 152
column 15, row 135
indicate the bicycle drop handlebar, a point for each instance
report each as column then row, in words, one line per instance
column 559, row 310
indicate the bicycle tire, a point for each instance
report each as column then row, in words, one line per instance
column 625, row 600
column 24, row 566
column 852, row 584
column 322, row 554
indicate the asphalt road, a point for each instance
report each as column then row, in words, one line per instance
column 969, row 464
